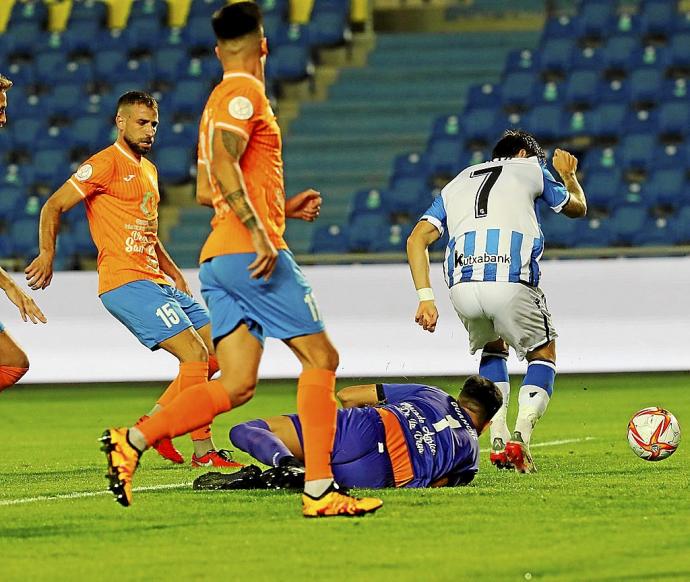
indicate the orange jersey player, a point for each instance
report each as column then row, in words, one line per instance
column 119, row 187
column 250, row 281
column 14, row 363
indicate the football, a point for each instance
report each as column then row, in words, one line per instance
column 653, row 434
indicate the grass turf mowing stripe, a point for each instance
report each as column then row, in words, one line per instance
column 83, row 494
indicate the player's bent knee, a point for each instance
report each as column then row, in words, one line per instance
column 240, row 391
column 546, row 352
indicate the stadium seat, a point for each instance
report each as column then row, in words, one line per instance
column 10, row 199
column 365, row 230
column 328, row 27
column 645, row 85
column 66, row 100
column 589, row 58
column 22, row 73
column 205, row 7
column 443, row 155
column 22, row 39
column 406, row 193
column 613, row 91
column 670, row 156
column 410, row 164
column 170, row 64
column 667, row 187
column 650, row 56
column 581, row 89
column 598, row 159
column 82, row 38
column 545, row 121
column 87, row 132
column 658, row 17
column 479, row 125
column 617, row 52
column 559, row 231
column 174, row 164
column 291, row 62
column 366, row 201
column 51, row 66
column 51, row 167
column 627, row 222
column 636, row 151
column 679, row 53
column 483, row 95
column 593, row 233
column 674, row 119
column 656, row 232
column 393, row 240
column 188, row 95
column 562, row 26
column 517, row 90
column 555, row 56
column 608, row 119
column 90, row 11
column 29, row 12
column 446, row 125
column 144, row 35
column 603, row 187
column 579, row 124
column 30, row 130
column 199, row 34
column 54, row 137
column 75, row 215
column 24, row 235
column 520, row 60
column 593, row 18
column 333, row 238
column 108, row 64
column 641, row 120
column 81, row 237
column 148, row 10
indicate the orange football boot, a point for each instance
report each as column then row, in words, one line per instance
column 123, row 460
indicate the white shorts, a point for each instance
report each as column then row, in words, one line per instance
column 514, row 312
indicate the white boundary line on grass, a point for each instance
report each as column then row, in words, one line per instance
column 84, row 494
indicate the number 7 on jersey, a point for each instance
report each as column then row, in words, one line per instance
column 481, row 202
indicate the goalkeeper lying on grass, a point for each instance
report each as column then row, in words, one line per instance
column 388, row 435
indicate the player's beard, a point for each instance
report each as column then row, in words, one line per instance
column 139, row 148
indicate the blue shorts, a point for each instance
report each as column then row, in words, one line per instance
column 282, row 307
column 359, row 457
column 154, row 313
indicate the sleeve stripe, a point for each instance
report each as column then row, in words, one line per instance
column 435, row 221
column 71, row 181
column 560, row 206
column 232, row 128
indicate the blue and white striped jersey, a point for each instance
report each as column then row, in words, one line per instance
column 490, row 213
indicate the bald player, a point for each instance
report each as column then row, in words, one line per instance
column 119, row 187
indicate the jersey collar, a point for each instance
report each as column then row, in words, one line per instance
column 125, row 153
column 241, row 75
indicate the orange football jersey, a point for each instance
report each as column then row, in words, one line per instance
column 239, row 104
column 121, row 197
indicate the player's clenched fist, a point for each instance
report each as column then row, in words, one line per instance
column 427, row 315
column 564, row 162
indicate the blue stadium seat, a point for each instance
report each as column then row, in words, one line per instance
column 66, row 100
column 329, row 27
column 548, row 92
column 10, row 199
column 443, row 155
column 581, row 88
column 594, row 18
column 593, row 233
column 333, row 238
column 658, row 17
column 559, row 231
column 556, row 55
column 90, row 11
column 205, row 8
column 608, row 119
column 88, row 131
column 394, row 240
column 579, row 123
column 22, row 73
column 598, row 159
column 545, row 121
column 199, row 33
column 109, row 64
column 149, row 10
column 614, row 90
column 410, row 164
column 138, row 71
column 656, row 232
column 483, row 95
column 170, row 64
column 603, row 187
column 667, row 187
column 588, row 58
column 674, row 118
column 365, row 201
column 681, row 226
column 273, row 25
column 177, row 134
column 618, row 50
column 446, row 125
column 189, row 97
column 641, row 120
column 51, row 167
column 291, row 62
column 54, row 137
column 366, row 229
column 645, row 85
column 636, row 151
column 406, row 193
column 517, row 90
column 174, row 164
column 670, row 156
column 24, row 235
column 30, row 130
column 479, row 125
column 144, row 35
column 562, row 26
column 678, row 47
column 521, row 60
column 29, row 12
column 626, row 222
column 650, row 56
column 82, row 37
column 22, row 39
column 51, row 66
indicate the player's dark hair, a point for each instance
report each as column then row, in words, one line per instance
column 513, row 141
column 5, row 83
column 137, row 98
column 482, row 397
column 236, row 20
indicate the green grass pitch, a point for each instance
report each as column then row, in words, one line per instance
column 593, row 512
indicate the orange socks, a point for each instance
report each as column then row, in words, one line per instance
column 317, row 410
column 193, row 408
column 9, row 376
column 203, row 433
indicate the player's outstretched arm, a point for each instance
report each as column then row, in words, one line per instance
column 39, row 273
column 26, row 305
column 228, row 148
column 358, row 396
column 423, row 236
column 304, row 206
column 566, row 165
column 170, row 268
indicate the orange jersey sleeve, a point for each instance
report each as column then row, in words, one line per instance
column 94, row 174
column 239, row 105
